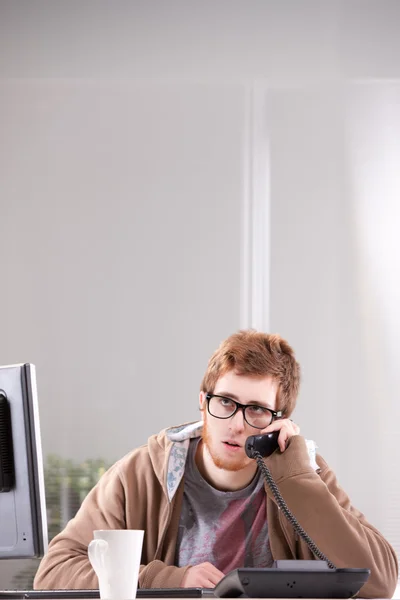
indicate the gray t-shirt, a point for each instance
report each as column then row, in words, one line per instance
column 227, row 529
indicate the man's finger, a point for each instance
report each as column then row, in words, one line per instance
column 215, row 579
column 282, row 440
column 214, row 574
column 275, row 426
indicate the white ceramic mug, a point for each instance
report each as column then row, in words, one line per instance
column 115, row 557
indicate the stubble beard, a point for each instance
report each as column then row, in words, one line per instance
column 232, row 464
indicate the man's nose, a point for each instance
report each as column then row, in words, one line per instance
column 237, row 421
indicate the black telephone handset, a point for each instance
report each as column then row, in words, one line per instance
column 264, row 444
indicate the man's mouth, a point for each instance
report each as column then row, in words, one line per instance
column 231, row 443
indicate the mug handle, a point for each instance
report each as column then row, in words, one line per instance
column 97, row 552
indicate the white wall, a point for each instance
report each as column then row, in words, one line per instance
column 308, row 263
column 374, row 154
column 321, row 274
column 282, row 40
column 120, row 246
column 335, row 276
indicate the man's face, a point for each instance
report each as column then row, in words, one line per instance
column 225, row 438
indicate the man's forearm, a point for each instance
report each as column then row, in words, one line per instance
column 159, row 575
column 60, row 570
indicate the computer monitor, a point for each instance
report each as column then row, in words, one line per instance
column 23, row 522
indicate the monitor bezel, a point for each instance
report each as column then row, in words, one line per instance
column 33, row 458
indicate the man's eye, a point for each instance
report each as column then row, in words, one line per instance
column 257, row 410
column 225, row 402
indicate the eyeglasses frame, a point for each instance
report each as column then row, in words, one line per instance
column 276, row 414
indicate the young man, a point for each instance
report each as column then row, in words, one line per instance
column 203, row 503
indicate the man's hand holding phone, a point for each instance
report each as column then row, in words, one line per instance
column 287, row 429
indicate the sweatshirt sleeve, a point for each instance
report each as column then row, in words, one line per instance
column 159, row 575
column 324, row 511
column 66, row 564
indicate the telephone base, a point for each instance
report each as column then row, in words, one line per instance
column 295, row 581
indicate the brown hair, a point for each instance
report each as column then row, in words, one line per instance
column 250, row 352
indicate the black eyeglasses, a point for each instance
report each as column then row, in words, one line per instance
column 257, row 416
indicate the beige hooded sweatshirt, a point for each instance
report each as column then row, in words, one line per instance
column 144, row 491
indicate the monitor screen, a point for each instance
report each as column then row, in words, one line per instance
column 23, row 522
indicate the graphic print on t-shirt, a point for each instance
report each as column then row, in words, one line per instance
column 228, row 529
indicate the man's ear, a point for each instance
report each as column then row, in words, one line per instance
column 202, row 401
